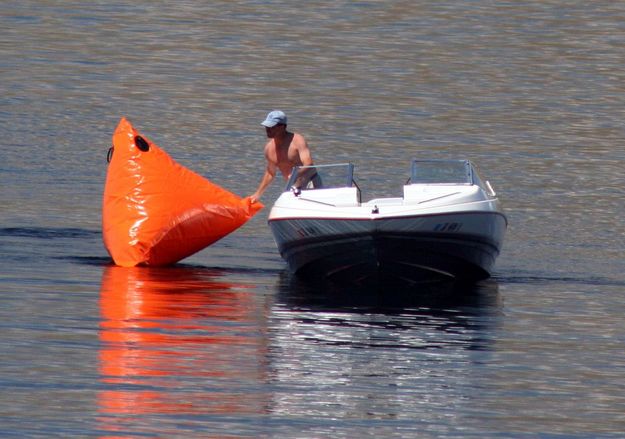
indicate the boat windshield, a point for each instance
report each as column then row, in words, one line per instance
column 441, row 172
column 321, row 176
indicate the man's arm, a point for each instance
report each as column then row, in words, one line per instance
column 270, row 173
column 304, row 152
column 305, row 157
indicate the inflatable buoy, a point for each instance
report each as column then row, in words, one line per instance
column 157, row 212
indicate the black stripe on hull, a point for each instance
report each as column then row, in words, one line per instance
column 394, row 258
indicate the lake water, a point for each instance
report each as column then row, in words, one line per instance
column 227, row 343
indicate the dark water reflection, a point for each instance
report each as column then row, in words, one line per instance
column 371, row 356
column 435, row 295
column 402, row 315
column 185, row 343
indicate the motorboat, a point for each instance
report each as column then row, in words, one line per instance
column 448, row 224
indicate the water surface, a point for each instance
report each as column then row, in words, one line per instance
column 227, row 343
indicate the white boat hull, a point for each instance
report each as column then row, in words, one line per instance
column 406, row 249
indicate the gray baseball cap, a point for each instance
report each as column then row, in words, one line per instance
column 274, row 118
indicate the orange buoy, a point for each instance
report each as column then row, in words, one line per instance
column 157, row 212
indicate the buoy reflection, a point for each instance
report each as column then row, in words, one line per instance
column 179, row 340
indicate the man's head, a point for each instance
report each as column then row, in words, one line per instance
column 275, row 117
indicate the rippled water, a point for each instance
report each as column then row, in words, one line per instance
column 228, row 344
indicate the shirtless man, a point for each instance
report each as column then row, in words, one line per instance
column 283, row 151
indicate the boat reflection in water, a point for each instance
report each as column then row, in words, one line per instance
column 372, row 356
column 474, row 299
column 177, row 341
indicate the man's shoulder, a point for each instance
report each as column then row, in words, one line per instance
column 298, row 139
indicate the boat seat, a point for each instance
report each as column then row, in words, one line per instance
column 339, row 197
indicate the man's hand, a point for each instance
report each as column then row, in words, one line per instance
column 255, row 198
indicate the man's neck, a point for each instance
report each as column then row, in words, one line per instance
column 281, row 141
